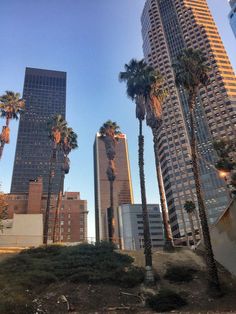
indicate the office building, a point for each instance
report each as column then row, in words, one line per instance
column 232, row 16
column 72, row 218
column 123, row 193
column 45, row 96
column 168, row 27
column 131, row 226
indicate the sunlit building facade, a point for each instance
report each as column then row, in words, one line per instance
column 45, row 96
column 169, row 26
column 123, row 193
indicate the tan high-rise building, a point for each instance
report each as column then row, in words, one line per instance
column 123, row 193
column 168, row 27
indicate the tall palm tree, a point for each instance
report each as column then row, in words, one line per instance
column 191, row 74
column 57, row 128
column 109, row 133
column 11, row 106
column 190, row 208
column 68, row 143
column 138, row 85
column 154, row 121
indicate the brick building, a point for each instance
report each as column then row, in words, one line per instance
column 72, row 218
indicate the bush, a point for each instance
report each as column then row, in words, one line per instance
column 131, row 278
column 38, row 278
column 35, row 269
column 16, row 304
column 180, row 274
column 165, row 300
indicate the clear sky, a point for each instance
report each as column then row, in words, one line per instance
column 90, row 40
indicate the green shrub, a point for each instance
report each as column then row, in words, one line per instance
column 130, row 278
column 180, row 274
column 38, row 278
column 16, row 304
column 165, row 300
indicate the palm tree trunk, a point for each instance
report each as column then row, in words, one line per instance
column 169, row 245
column 111, row 220
column 185, row 227
column 210, row 261
column 2, row 143
column 146, row 230
column 1, row 148
column 198, row 225
column 190, row 215
column 46, row 219
column 59, row 198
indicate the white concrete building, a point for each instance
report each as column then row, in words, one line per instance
column 23, row 230
column 131, row 226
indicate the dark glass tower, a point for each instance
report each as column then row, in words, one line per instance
column 45, row 96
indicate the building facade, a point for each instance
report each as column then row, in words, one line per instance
column 123, row 193
column 232, row 16
column 168, row 27
column 72, row 218
column 131, row 226
column 45, row 96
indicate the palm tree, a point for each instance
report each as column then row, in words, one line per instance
column 109, row 133
column 154, row 121
column 139, row 84
column 57, row 128
column 190, row 208
column 191, row 74
column 11, row 106
column 68, row 143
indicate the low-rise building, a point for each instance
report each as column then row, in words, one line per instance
column 131, row 226
column 72, row 216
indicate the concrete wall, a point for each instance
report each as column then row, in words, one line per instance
column 23, row 230
column 223, row 236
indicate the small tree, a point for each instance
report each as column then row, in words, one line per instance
column 226, row 150
column 11, row 106
column 109, row 133
column 3, row 209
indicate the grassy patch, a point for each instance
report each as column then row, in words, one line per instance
column 180, row 274
column 35, row 269
column 165, row 300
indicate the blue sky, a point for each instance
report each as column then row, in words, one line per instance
column 90, row 40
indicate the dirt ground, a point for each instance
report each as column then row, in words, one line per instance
column 105, row 299
column 86, row 299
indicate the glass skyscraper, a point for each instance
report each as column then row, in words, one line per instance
column 232, row 16
column 45, row 96
column 168, row 27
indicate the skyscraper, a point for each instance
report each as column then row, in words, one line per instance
column 168, row 27
column 232, row 15
column 45, row 96
column 123, row 193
